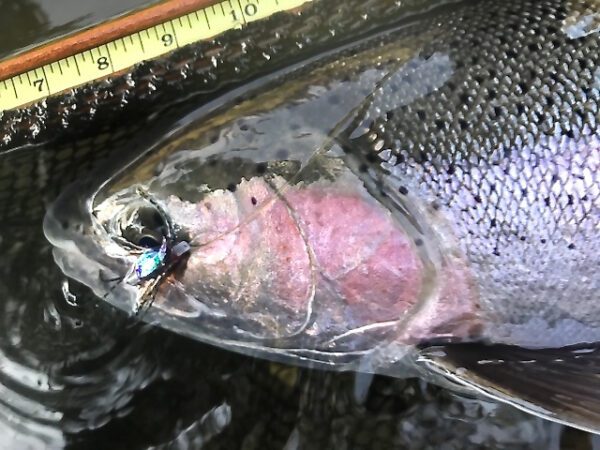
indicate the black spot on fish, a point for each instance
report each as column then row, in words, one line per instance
column 254, row 201
column 231, row 187
column 418, row 242
column 261, row 168
column 571, row 246
column 403, row 190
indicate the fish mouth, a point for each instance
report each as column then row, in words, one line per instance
column 85, row 251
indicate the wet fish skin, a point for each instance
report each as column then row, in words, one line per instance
column 508, row 149
column 469, row 172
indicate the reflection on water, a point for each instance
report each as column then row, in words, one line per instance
column 76, row 373
column 27, row 23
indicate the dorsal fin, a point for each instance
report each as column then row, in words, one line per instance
column 560, row 384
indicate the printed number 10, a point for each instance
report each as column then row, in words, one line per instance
column 249, row 10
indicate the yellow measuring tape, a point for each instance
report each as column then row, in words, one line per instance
column 125, row 52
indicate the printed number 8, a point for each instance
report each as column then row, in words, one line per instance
column 102, row 63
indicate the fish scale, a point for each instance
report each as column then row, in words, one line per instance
column 514, row 114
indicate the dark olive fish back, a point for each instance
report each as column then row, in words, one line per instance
column 509, row 147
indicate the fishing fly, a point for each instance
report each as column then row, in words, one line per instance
column 150, row 236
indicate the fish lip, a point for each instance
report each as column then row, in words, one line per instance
column 81, row 235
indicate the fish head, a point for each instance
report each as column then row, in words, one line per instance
column 253, row 227
column 297, row 252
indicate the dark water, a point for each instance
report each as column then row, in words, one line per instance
column 76, row 373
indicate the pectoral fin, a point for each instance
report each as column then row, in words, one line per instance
column 560, row 384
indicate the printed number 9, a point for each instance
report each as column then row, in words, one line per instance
column 167, row 39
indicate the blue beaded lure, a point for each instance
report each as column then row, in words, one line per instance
column 150, row 261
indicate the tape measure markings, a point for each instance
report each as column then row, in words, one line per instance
column 126, row 51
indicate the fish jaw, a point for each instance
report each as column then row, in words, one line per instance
column 324, row 262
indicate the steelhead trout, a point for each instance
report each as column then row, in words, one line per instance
column 424, row 198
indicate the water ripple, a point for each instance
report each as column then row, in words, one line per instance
column 64, row 368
